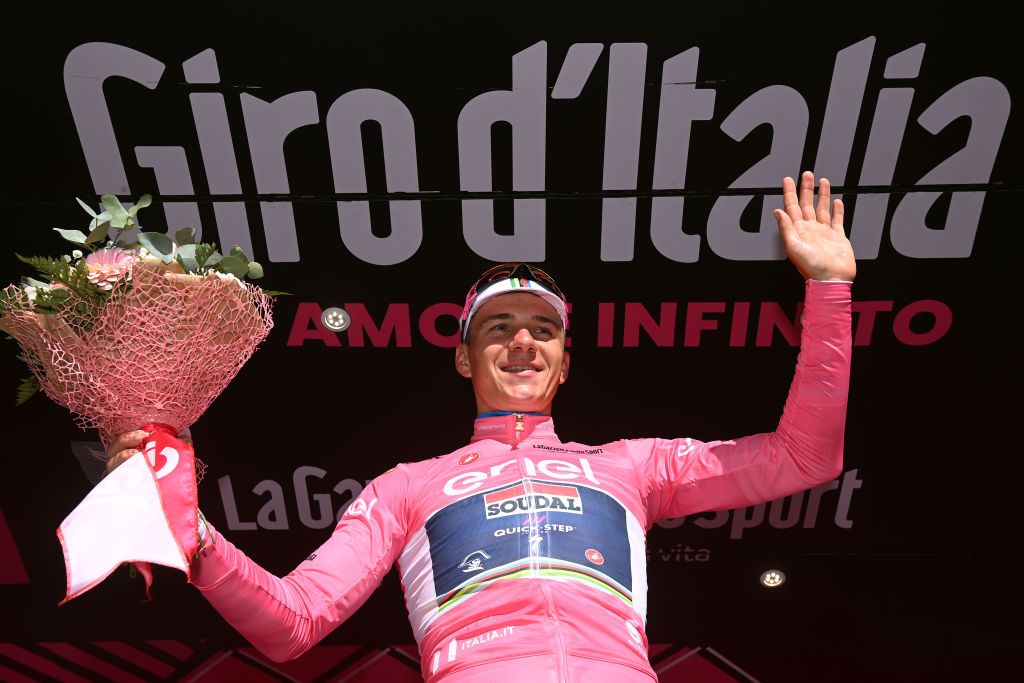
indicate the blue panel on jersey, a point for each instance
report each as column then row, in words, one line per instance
column 573, row 529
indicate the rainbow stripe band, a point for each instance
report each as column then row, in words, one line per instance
column 522, row 570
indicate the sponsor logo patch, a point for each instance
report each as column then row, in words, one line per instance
column 518, row 499
column 474, row 562
column 469, row 458
column 594, row 556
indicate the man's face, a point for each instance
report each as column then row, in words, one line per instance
column 516, row 354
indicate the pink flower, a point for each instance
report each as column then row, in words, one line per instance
column 109, row 265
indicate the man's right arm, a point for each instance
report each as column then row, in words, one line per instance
column 284, row 617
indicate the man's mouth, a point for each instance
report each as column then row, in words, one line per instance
column 519, row 368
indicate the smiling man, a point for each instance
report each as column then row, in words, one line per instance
column 522, row 557
column 513, row 340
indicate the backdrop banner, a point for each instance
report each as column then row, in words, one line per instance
column 379, row 160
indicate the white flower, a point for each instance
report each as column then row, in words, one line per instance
column 67, row 258
column 76, row 254
column 228, row 276
column 143, row 253
column 30, row 292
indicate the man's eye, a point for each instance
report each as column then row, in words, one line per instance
column 543, row 331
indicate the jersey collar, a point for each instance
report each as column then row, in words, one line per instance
column 502, row 427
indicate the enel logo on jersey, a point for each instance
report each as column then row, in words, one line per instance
column 532, row 497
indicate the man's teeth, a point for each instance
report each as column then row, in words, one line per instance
column 519, row 368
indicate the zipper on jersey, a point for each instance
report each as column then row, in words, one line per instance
column 517, row 436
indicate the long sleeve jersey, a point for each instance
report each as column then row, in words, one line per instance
column 522, row 557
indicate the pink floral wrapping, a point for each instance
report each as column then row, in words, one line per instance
column 160, row 349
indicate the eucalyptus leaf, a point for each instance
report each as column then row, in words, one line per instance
column 144, row 201
column 187, row 258
column 158, row 244
column 185, row 236
column 233, row 265
column 73, row 236
column 119, row 222
column 97, row 235
column 99, row 219
column 237, row 252
column 117, row 212
column 88, row 209
column 213, row 259
column 274, row 292
column 255, row 270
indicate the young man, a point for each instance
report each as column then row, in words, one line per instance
column 523, row 557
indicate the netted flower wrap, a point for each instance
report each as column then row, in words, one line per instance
column 160, row 349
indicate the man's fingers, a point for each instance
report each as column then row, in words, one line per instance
column 119, row 458
column 807, row 196
column 785, row 224
column 824, row 201
column 127, row 440
column 837, row 215
column 789, row 200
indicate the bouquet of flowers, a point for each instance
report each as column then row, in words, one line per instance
column 136, row 332
column 127, row 333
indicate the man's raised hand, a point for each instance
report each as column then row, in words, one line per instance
column 814, row 238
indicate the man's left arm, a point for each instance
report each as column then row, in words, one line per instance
column 685, row 476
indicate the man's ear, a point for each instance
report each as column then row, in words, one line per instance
column 564, row 374
column 462, row 361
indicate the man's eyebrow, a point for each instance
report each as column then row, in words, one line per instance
column 496, row 316
column 506, row 316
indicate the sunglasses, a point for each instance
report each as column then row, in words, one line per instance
column 511, row 271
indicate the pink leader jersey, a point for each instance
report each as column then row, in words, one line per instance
column 523, row 557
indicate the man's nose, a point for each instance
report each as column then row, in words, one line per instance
column 523, row 339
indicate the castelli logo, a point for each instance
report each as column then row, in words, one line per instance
column 469, row 458
column 594, row 556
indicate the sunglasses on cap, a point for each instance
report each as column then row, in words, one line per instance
column 510, row 276
column 512, row 271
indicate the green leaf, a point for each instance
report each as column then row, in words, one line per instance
column 74, row 236
column 255, row 270
column 118, row 214
column 144, row 201
column 187, row 258
column 203, row 253
column 46, row 266
column 274, row 292
column 233, row 265
column 97, row 235
column 100, row 219
column 157, row 244
column 185, row 236
column 88, row 209
column 237, row 252
column 27, row 388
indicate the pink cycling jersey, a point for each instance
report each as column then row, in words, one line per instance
column 523, row 557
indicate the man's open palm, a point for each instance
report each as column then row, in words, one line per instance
column 814, row 238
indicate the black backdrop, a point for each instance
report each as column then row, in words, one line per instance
column 898, row 575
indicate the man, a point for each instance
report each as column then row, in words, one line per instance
column 522, row 557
